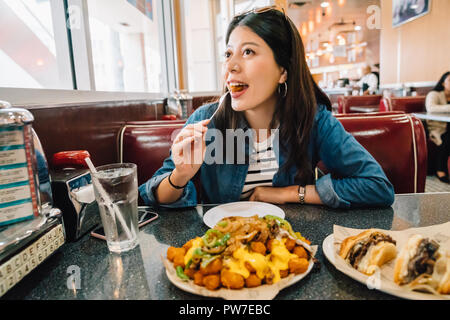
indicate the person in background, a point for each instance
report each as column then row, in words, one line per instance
column 269, row 88
column 438, row 100
column 369, row 81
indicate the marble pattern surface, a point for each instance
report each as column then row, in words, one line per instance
column 139, row 274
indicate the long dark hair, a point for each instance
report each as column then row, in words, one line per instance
column 440, row 85
column 295, row 111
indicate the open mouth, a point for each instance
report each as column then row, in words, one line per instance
column 237, row 87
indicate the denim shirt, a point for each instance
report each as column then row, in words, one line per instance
column 355, row 178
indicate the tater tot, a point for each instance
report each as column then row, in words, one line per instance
column 290, row 244
column 284, row 273
column 190, row 272
column 269, row 277
column 231, row 280
column 249, row 267
column 198, row 278
column 252, row 281
column 178, row 260
column 300, row 252
column 212, row 281
column 213, row 267
column 258, row 247
column 188, row 244
column 298, row 265
column 172, row 252
column 269, row 245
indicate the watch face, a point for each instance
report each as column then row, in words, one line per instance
column 301, row 194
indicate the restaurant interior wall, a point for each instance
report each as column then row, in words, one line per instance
column 338, row 39
column 417, row 51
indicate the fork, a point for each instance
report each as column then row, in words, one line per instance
column 222, row 98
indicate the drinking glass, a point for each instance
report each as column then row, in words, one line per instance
column 116, row 192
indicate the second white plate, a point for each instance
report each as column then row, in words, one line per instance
column 241, row 209
column 385, row 285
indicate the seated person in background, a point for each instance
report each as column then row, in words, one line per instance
column 369, row 82
column 438, row 100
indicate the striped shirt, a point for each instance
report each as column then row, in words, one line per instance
column 262, row 168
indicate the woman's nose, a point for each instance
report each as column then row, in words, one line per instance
column 232, row 65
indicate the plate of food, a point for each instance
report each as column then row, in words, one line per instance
column 411, row 264
column 241, row 258
column 241, row 209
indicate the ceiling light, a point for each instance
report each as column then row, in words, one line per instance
column 357, row 28
column 325, row 4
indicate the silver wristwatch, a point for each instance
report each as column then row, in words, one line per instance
column 301, row 194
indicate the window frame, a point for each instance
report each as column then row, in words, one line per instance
column 78, row 55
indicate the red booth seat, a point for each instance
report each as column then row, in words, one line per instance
column 397, row 141
column 448, row 164
column 368, row 114
column 405, row 104
column 147, row 144
column 410, row 105
column 345, row 103
column 202, row 100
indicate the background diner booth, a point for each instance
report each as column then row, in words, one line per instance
column 115, row 80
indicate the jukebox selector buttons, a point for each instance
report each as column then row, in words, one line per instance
column 17, row 267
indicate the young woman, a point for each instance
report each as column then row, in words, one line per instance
column 270, row 89
column 438, row 100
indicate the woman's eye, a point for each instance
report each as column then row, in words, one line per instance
column 248, row 52
column 227, row 54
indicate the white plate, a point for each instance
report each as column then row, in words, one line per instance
column 385, row 285
column 241, row 209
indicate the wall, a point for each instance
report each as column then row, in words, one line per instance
column 417, row 51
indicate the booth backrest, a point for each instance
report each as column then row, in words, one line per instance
column 146, row 144
column 405, row 104
column 88, row 126
column 368, row 114
column 448, row 164
column 346, row 102
column 201, row 100
column 397, row 141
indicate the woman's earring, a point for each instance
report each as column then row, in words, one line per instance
column 285, row 90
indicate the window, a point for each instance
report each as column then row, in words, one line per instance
column 33, row 47
column 199, row 36
column 205, row 24
column 114, row 45
column 125, row 45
